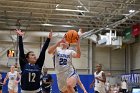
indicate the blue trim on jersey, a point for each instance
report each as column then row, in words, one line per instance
column 73, row 73
column 54, row 61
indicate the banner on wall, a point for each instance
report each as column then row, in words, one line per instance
column 131, row 78
column 128, row 38
column 136, row 30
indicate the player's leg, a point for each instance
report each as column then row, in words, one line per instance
column 71, row 83
column 15, row 89
column 10, row 88
column 65, row 91
column 11, row 91
column 96, row 92
column 0, row 89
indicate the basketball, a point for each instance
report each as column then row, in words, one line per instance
column 71, row 36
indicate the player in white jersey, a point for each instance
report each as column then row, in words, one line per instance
column 99, row 81
column 66, row 75
column 14, row 79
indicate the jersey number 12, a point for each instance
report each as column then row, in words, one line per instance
column 32, row 77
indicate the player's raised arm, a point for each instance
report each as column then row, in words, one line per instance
column 22, row 58
column 41, row 58
column 78, row 50
column 52, row 48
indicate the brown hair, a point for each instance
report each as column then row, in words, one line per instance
column 27, row 55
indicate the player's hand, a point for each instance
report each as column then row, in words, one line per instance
column 78, row 40
column 16, row 82
column 62, row 40
column 19, row 32
column 80, row 32
column 1, row 83
column 4, row 83
column 91, row 85
column 85, row 91
column 50, row 34
column 98, row 78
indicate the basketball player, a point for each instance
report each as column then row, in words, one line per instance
column 1, row 83
column 31, row 66
column 46, row 81
column 80, row 84
column 66, row 75
column 99, row 80
column 14, row 79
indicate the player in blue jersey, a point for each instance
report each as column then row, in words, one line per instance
column 31, row 66
column 1, row 82
column 47, row 81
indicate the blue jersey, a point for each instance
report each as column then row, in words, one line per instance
column 45, row 79
column 30, row 79
column 1, row 81
column 30, row 75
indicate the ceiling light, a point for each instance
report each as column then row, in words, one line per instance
column 79, row 6
column 131, row 11
column 57, row 5
column 47, row 24
column 70, row 10
column 57, row 25
column 66, row 25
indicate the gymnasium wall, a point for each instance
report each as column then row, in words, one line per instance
column 112, row 60
column 135, row 57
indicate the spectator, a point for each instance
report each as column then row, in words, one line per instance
column 1, row 83
column 124, row 86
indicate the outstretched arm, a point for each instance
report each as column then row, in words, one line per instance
column 41, row 58
column 78, row 50
column 91, row 85
column 2, row 82
column 52, row 48
column 81, row 85
column 22, row 58
column 5, row 79
column 19, row 77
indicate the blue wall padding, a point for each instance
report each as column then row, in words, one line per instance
column 86, row 80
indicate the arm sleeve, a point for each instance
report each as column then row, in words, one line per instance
column 73, row 52
column 40, row 60
column 22, row 59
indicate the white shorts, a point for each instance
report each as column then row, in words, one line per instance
column 100, row 89
column 13, row 87
column 62, row 78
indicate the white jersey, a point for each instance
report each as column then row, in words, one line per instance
column 12, row 77
column 123, row 85
column 99, row 85
column 64, row 67
column 63, row 60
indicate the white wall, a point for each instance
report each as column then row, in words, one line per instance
column 112, row 60
column 135, row 59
